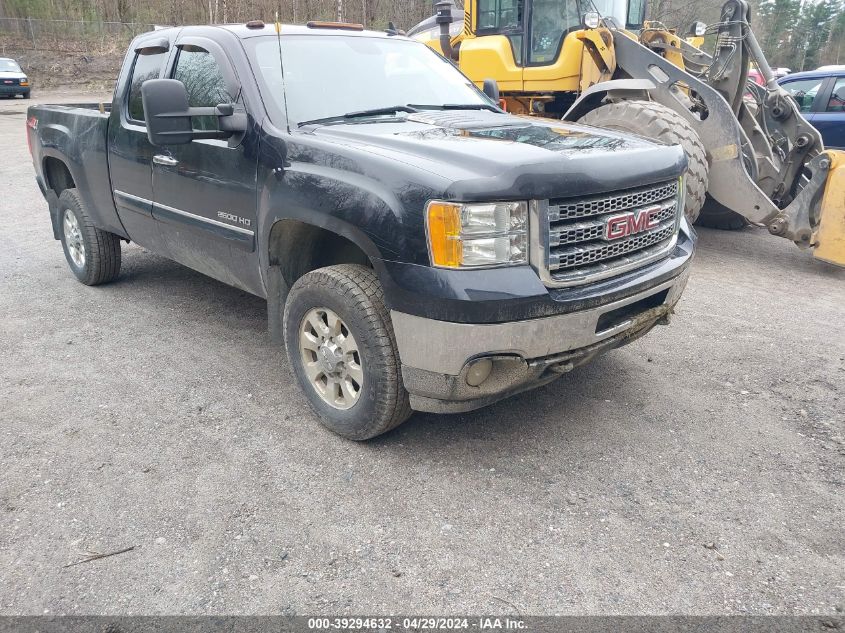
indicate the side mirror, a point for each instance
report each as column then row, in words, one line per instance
column 167, row 112
column 491, row 89
column 169, row 115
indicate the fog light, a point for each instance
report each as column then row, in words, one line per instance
column 479, row 371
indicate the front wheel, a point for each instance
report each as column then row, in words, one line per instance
column 341, row 347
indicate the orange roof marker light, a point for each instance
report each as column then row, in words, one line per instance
column 348, row 26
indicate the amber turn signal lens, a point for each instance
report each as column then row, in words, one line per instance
column 444, row 234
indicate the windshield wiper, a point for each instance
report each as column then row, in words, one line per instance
column 359, row 114
column 455, row 106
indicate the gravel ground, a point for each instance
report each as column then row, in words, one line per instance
column 697, row 471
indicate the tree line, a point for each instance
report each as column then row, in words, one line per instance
column 798, row 34
column 794, row 34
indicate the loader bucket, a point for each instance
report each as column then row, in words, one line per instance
column 829, row 237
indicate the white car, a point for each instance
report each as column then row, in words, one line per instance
column 13, row 81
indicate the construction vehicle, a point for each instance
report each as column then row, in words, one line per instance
column 753, row 159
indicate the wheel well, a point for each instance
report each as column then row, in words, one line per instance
column 298, row 248
column 57, row 175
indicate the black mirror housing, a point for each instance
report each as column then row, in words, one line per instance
column 491, row 89
column 169, row 115
column 167, row 112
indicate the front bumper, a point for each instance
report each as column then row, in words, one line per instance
column 436, row 355
column 14, row 90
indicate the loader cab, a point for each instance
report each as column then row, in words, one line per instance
column 535, row 30
column 529, row 45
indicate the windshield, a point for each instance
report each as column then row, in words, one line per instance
column 7, row 65
column 330, row 76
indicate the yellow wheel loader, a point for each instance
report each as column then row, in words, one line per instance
column 752, row 157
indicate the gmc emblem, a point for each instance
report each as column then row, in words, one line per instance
column 631, row 223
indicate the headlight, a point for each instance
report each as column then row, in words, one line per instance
column 24, row 82
column 698, row 29
column 477, row 234
column 592, row 19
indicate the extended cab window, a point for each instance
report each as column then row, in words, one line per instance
column 145, row 67
column 199, row 71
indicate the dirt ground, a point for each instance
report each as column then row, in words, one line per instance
column 68, row 71
column 696, row 471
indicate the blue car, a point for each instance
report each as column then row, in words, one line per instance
column 821, row 96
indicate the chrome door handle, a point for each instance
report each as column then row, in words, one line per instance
column 162, row 159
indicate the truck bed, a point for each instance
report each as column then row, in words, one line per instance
column 76, row 135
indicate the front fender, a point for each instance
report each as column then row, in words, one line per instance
column 592, row 97
column 362, row 197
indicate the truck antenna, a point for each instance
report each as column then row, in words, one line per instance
column 281, row 65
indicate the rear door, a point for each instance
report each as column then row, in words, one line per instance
column 205, row 191
column 829, row 119
column 130, row 152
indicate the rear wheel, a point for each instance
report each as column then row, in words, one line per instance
column 341, row 347
column 92, row 254
column 656, row 121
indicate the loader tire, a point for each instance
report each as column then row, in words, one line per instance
column 655, row 121
column 717, row 216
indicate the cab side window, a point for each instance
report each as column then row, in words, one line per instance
column 145, row 67
column 499, row 15
column 199, row 71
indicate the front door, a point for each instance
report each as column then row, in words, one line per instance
column 130, row 151
column 205, row 191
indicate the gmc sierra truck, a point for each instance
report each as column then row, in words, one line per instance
column 418, row 247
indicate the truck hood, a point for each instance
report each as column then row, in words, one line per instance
column 11, row 74
column 491, row 154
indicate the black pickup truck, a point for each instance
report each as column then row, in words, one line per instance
column 419, row 248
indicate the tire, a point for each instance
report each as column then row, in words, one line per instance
column 353, row 294
column 655, row 121
column 26, row 95
column 717, row 216
column 92, row 254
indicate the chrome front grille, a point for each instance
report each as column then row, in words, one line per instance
column 596, row 205
column 575, row 236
